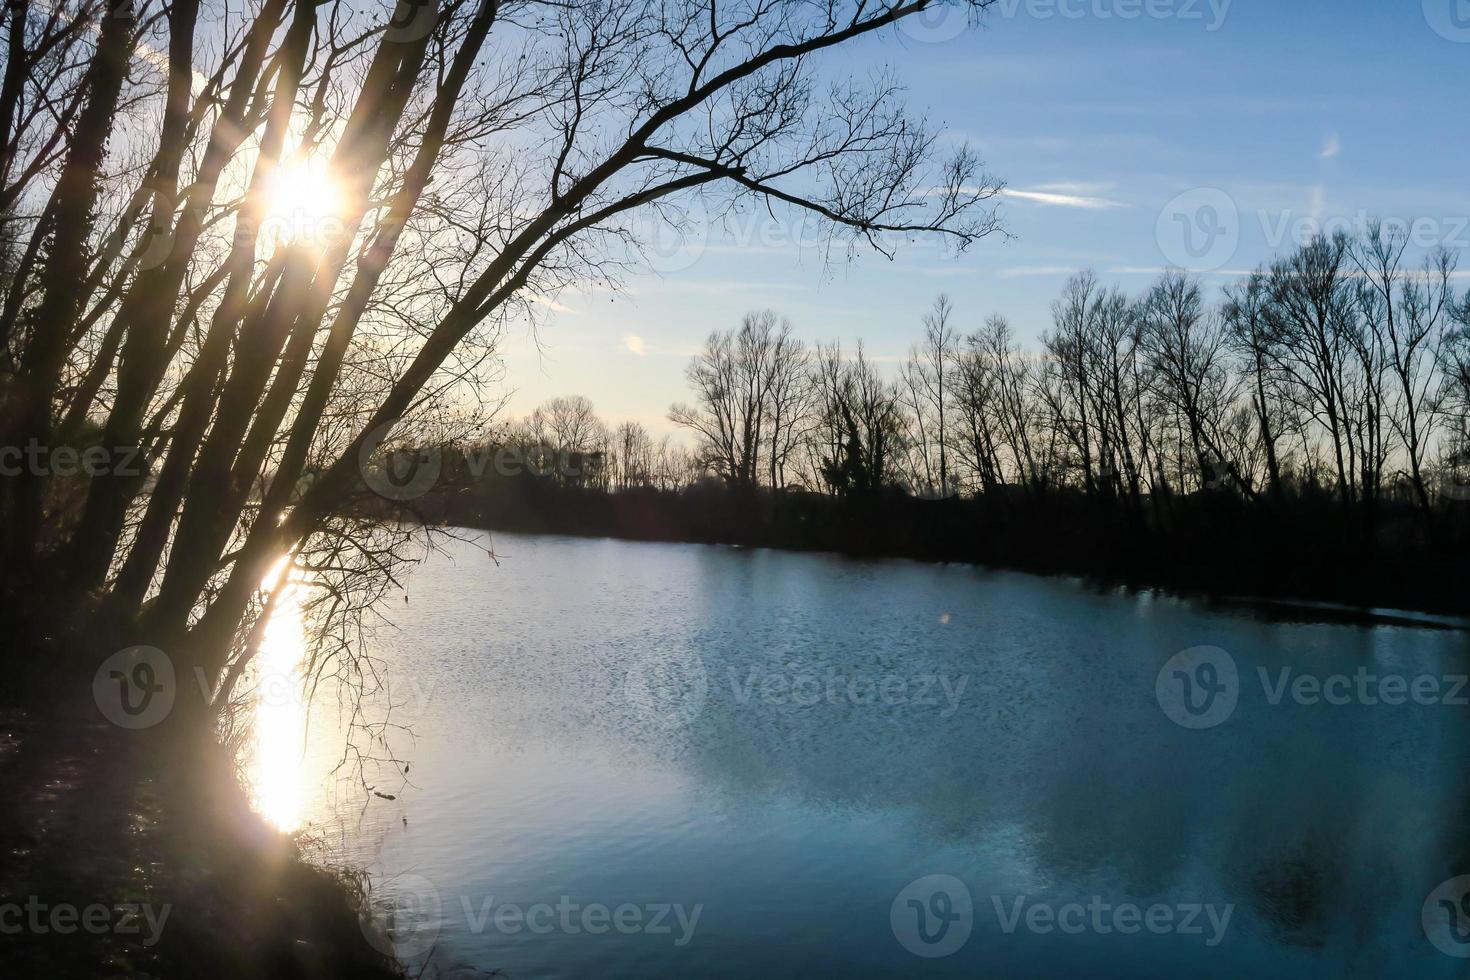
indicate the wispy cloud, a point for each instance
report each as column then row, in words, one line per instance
column 1332, row 147
column 1158, row 270
column 548, row 302
column 1061, row 199
column 1246, row 106
column 947, row 272
column 1027, row 271
column 721, row 287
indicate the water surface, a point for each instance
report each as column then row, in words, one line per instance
column 780, row 750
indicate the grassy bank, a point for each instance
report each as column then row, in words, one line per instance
column 136, row 854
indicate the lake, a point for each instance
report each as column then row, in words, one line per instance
column 655, row 760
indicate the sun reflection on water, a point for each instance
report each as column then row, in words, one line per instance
column 277, row 769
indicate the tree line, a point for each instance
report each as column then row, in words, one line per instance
column 1307, row 427
column 1341, row 369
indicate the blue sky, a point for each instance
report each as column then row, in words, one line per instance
column 1242, row 124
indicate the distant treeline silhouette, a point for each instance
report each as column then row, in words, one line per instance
column 1306, row 434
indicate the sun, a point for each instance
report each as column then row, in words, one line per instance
column 304, row 205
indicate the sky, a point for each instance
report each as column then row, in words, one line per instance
column 1132, row 135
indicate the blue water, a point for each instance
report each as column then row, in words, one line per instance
column 784, row 748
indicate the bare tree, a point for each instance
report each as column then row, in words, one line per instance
column 726, row 378
column 1311, row 316
column 1406, row 313
column 789, row 397
column 858, row 427
column 1454, row 363
column 675, row 467
column 570, row 422
column 1251, row 338
column 1066, row 384
column 1016, row 414
column 978, row 410
column 751, row 395
column 926, row 378
column 482, row 156
column 1186, row 346
column 633, row 453
column 1124, row 378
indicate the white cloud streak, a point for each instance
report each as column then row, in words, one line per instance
column 1060, row 200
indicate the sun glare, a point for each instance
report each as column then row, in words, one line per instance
column 304, row 205
column 276, row 775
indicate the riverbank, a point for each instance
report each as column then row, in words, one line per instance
column 1213, row 545
column 130, row 854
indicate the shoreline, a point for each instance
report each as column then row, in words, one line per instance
column 1313, row 610
column 1418, row 595
column 1303, row 548
column 140, row 856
